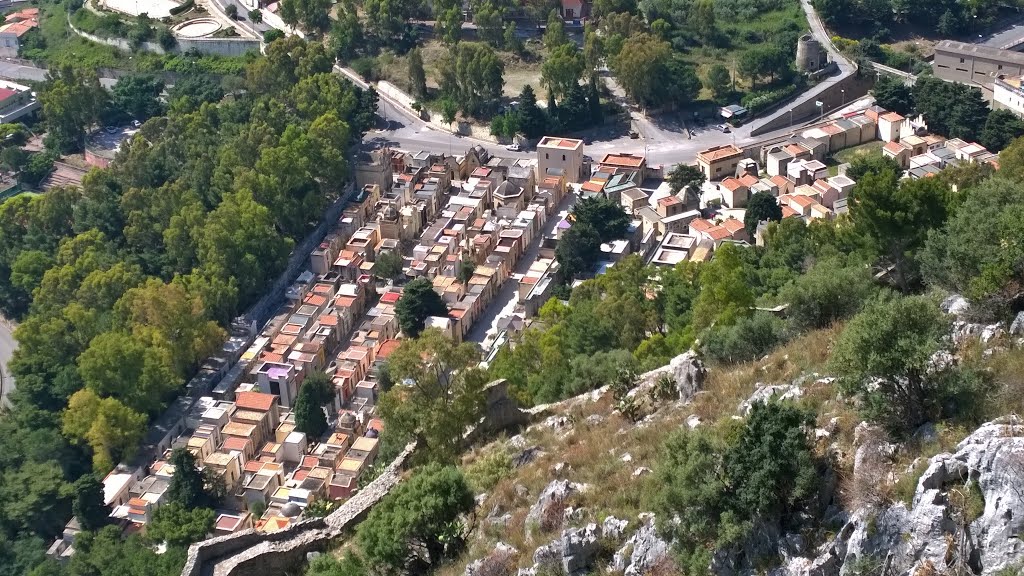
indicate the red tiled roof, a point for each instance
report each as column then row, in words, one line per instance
column 255, row 401
column 892, row 117
column 627, row 160
column 387, row 347
column 19, row 29
column 701, row 225
column 719, row 153
column 391, row 297
column 732, row 184
column 748, row 180
column 732, row 225
column 315, row 300
column 718, row 233
column 235, row 443
column 803, row 201
column 780, row 181
column 23, row 14
column 894, row 147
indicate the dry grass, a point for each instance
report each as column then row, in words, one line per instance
column 1007, row 370
column 725, row 389
column 593, row 452
column 518, row 72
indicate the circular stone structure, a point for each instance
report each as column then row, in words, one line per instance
column 197, row 28
column 154, row 8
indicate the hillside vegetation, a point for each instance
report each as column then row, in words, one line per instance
column 124, row 286
column 804, row 443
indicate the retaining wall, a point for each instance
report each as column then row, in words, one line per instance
column 832, row 96
column 213, row 46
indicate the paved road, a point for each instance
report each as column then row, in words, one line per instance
column 504, row 304
column 14, row 71
column 7, row 346
column 1010, row 33
column 255, row 28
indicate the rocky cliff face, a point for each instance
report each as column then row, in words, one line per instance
column 938, row 533
column 966, row 516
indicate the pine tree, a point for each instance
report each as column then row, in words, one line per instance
column 594, row 100
column 417, row 75
column 309, row 414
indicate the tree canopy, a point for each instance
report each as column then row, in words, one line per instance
column 438, row 392
column 316, row 391
column 418, row 302
column 407, row 530
column 883, row 356
column 762, row 207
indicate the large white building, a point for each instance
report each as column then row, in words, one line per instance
column 1008, row 94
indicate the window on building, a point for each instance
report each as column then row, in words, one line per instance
column 547, row 156
column 563, row 157
column 1000, row 66
column 961, row 60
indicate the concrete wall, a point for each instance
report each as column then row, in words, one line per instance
column 213, row 46
column 832, row 96
column 219, row 46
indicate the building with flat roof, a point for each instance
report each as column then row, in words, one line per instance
column 1008, row 94
column 560, row 157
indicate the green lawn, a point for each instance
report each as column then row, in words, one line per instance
column 849, row 154
column 59, row 46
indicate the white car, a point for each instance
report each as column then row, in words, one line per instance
column 513, row 147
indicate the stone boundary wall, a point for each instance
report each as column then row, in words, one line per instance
column 251, row 552
column 219, row 46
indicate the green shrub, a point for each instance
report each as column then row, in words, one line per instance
column 182, row 8
column 366, row 67
column 271, row 35
column 488, row 470
column 756, row 102
column 750, row 338
column 828, row 292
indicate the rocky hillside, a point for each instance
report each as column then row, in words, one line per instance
column 580, row 492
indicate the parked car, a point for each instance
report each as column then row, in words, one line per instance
column 514, row 147
column 634, row 134
column 111, row 129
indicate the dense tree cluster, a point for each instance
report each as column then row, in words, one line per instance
column 123, row 287
column 951, row 109
column 594, row 221
column 947, row 17
column 419, row 301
